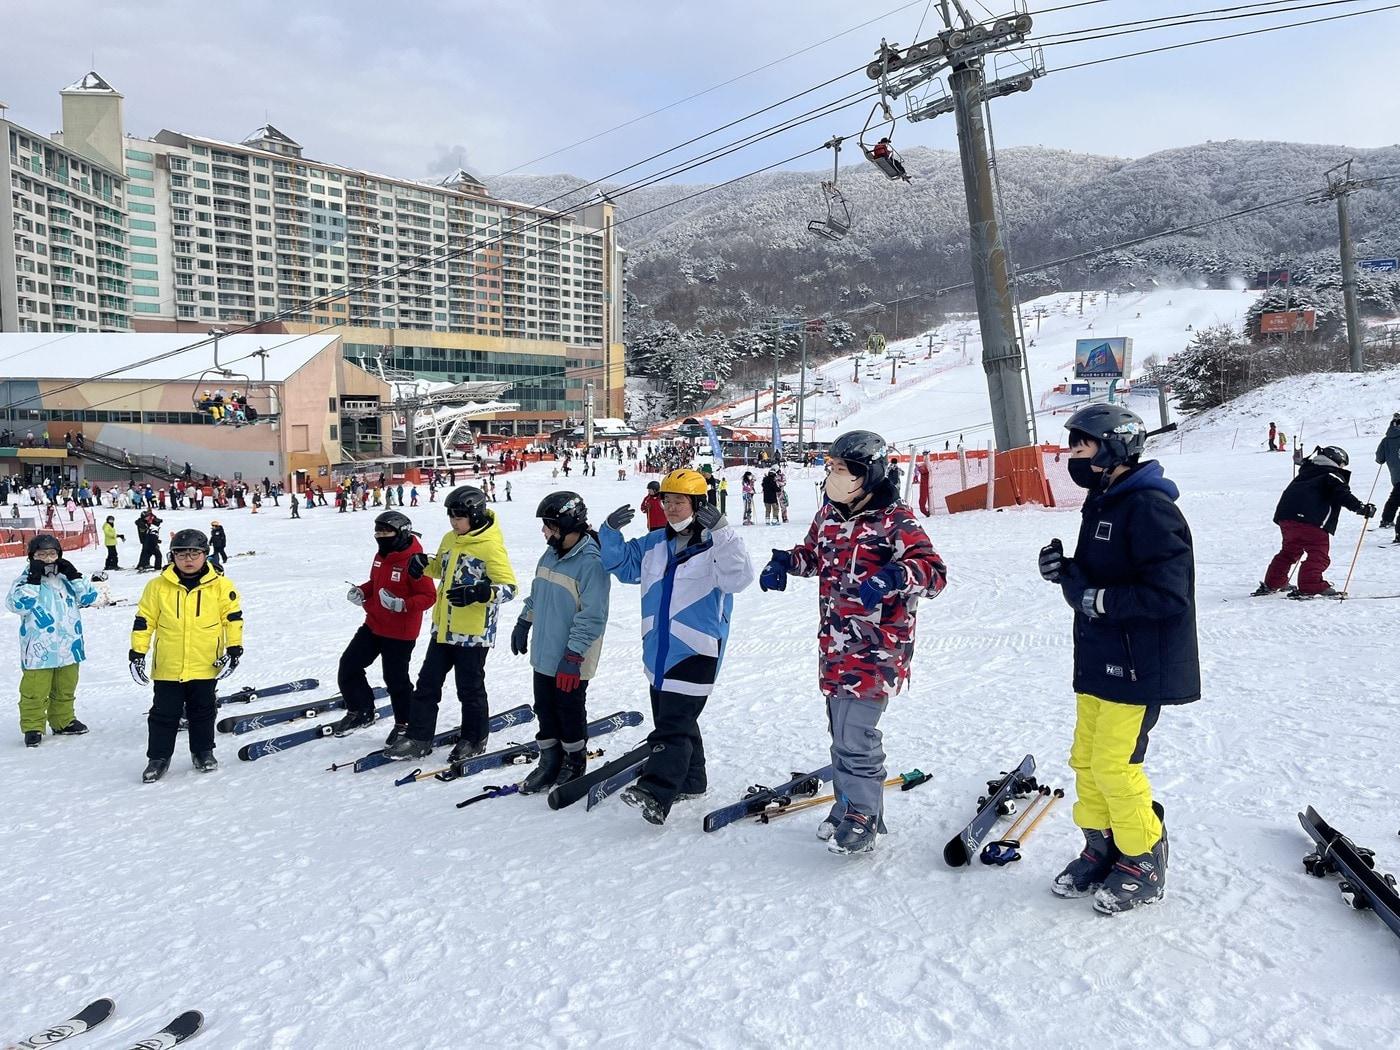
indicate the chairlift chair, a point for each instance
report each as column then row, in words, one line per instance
column 838, row 213
column 887, row 159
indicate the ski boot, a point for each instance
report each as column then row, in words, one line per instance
column 33, row 738
column 1264, row 590
column 575, row 763
column 1085, row 874
column 1327, row 592
column 396, row 734
column 204, row 762
column 542, row 777
column 857, row 833
column 407, row 748
column 639, row 797
column 1138, row 880
column 155, row 769
column 73, row 728
column 352, row 721
column 689, row 796
column 465, row 749
column 830, row 823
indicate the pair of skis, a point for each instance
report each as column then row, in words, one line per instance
column 1363, row 887
column 240, row 724
column 187, row 1025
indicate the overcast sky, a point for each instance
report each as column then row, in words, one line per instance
column 419, row 88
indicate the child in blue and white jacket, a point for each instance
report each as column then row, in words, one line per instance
column 48, row 594
column 689, row 572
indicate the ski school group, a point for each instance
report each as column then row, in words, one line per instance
column 1130, row 583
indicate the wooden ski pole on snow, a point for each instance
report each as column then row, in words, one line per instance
column 1365, row 527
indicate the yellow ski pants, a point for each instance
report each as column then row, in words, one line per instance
column 1110, row 741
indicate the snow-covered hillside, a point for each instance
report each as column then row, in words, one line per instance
column 300, row 908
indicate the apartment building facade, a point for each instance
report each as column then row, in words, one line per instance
column 439, row 278
column 66, row 269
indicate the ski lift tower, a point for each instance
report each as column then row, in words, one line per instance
column 962, row 51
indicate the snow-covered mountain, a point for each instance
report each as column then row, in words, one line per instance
column 712, row 257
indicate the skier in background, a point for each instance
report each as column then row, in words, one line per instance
column 746, row 488
column 689, row 573
column 1388, row 454
column 49, row 594
column 394, row 604
column 1307, row 515
column 874, row 562
column 191, row 616
column 1132, row 586
column 218, row 546
column 568, row 610
column 1273, row 438
column 651, row 505
column 770, row 498
column 109, row 540
column 476, row 579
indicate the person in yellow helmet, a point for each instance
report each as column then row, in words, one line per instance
column 689, row 572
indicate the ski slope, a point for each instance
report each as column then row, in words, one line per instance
column 940, row 397
column 300, row 908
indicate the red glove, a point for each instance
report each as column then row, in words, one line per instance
column 566, row 678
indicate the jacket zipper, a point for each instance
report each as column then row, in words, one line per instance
column 1132, row 664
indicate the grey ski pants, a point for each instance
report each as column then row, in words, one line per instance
column 857, row 756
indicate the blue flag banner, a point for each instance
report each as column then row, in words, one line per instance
column 777, row 435
column 715, row 450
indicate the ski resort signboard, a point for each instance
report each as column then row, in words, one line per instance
column 1286, row 321
column 1103, row 358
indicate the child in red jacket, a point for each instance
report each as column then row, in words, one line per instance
column 651, row 506
column 394, row 604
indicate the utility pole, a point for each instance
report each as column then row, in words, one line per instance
column 961, row 51
column 1340, row 186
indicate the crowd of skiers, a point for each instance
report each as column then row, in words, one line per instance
column 1129, row 582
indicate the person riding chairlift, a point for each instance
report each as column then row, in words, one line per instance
column 884, row 151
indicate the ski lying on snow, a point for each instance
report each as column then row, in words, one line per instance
column 904, row 781
column 86, row 1019
column 239, row 724
column 758, row 798
column 514, row 717
column 615, row 782
column 248, row 694
column 186, row 1026
column 1363, row 888
column 564, row 795
column 998, row 802
column 273, row 744
column 516, row 753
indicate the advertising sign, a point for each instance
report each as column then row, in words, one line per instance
column 1103, row 358
column 1379, row 265
column 1284, row 321
column 1079, row 389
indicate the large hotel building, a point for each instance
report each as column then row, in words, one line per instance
column 183, row 233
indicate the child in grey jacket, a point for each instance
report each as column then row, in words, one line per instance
column 568, row 608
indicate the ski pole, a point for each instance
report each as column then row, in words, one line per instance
column 1058, row 794
column 492, row 791
column 1365, row 525
column 1015, row 828
column 905, row 782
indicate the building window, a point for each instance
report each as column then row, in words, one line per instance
column 141, row 173
column 141, row 224
column 141, row 191
column 146, row 308
column 144, row 209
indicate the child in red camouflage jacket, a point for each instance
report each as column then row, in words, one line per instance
column 874, row 561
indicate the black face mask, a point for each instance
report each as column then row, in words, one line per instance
column 386, row 544
column 1082, row 473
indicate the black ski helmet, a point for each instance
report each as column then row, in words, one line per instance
column 467, row 501
column 865, row 454
column 189, row 540
column 1330, row 456
column 45, row 542
column 1120, row 432
column 399, row 525
column 565, row 510
column 653, row 486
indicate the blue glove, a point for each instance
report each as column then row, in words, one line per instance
column 876, row 589
column 775, row 573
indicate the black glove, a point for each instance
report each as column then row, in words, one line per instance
column 417, row 565
column 620, row 517
column 136, row 663
column 469, row 593
column 1052, row 559
column 121, row 537
column 1368, row 511
column 1072, row 584
column 229, row 661
column 36, row 572
column 66, row 567
column 520, row 637
column 709, row 516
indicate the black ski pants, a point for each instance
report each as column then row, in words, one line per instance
column 677, row 760
column 195, row 701
column 393, row 655
column 468, row 665
column 112, row 558
column 561, row 715
column 150, row 553
column 1392, row 504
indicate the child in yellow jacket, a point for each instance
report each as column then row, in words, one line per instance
column 190, row 615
